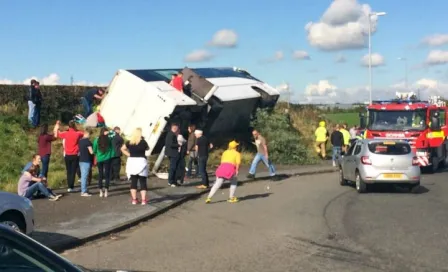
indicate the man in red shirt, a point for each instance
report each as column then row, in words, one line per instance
column 178, row 82
column 71, row 149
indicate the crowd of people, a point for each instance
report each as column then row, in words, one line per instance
column 105, row 151
column 340, row 140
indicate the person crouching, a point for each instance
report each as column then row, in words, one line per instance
column 227, row 170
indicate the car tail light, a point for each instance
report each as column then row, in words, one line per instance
column 415, row 161
column 366, row 160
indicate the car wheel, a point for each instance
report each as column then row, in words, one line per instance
column 14, row 221
column 342, row 180
column 414, row 188
column 361, row 186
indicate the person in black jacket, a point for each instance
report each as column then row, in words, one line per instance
column 337, row 141
column 172, row 152
column 31, row 105
column 36, row 98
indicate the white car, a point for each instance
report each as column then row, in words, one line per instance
column 17, row 212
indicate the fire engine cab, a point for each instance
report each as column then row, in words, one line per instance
column 421, row 123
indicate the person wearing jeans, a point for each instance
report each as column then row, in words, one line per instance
column 29, row 185
column 337, row 141
column 103, row 150
column 202, row 148
column 85, row 162
column 71, row 139
column 31, row 105
column 37, row 100
column 262, row 155
column 44, row 145
column 88, row 99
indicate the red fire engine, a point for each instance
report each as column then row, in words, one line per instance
column 421, row 123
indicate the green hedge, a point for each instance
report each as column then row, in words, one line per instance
column 57, row 100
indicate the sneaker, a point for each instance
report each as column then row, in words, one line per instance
column 134, row 202
column 106, row 192
column 208, row 200
column 101, row 193
column 233, row 199
column 144, row 202
column 69, row 190
column 201, row 187
column 334, row 164
column 173, row 185
column 250, row 176
column 85, row 194
column 53, row 198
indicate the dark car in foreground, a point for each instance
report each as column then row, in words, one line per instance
column 20, row 253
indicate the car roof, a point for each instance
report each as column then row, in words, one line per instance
column 367, row 141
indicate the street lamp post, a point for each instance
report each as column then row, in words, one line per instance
column 405, row 70
column 370, row 51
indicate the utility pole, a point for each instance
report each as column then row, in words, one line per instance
column 71, row 80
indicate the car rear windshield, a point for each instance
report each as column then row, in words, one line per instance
column 389, row 148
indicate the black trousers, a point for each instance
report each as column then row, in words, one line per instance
column 71, row 166
column 143, row 182
column 172, row 172
column 202, row 163
column 180, row 172
column 104, row 173
column 115, row 168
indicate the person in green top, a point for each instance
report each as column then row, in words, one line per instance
column 103, row 150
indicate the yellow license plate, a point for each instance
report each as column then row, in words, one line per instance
column 393, row 176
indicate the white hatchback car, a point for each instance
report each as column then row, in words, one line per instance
column 372, row 161
column 17, row 212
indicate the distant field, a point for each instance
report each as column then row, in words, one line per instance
column 351, row 118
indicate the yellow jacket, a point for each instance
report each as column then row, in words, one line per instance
column 346, row 135
column 321, row 132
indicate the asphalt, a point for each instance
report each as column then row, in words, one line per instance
column 75, row 220
column 308, row 223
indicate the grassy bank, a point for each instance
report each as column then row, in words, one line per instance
column 290, row 137
column 351, row 118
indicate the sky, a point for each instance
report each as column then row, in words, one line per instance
column 316, row 47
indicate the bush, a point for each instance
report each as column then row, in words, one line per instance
column 286, row 145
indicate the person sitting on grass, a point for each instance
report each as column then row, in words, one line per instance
column 29, row 185
column 36, row 163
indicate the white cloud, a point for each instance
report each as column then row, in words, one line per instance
column 436, row 40
column 301, row 55
column 51, row 79
column 322, row 88
column 327, row 93
column 340, row 59
column 224, row 38
column 198, row 56
column 377, row 60
column 344, row 25
column 6, row 81
column 437, row 57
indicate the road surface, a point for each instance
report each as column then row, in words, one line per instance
column 307, row 223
